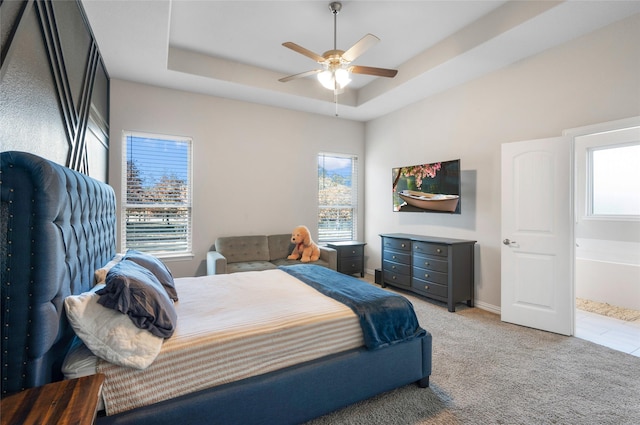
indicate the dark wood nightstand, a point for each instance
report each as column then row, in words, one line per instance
column 350, row 256
column 73, row 401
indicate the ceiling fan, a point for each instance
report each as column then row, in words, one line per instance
column 336, row 64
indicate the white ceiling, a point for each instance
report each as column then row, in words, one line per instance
column 233, row 49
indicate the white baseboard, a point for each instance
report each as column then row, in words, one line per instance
column 486, row 306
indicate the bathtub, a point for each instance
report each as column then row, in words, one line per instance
column 608, row 272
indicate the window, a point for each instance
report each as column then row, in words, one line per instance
column 156, row 216
column 337, row 197
column 614, row 181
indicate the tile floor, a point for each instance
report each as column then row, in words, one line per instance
column 613, row 333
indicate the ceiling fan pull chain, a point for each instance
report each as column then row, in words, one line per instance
column 335, row 28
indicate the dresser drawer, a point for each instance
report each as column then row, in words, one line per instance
column 397, row 278
column 431, row 263
column 392, row 267
column 430, row 276
column 397, row 257
column 399, row 244
column 427, row 248
column 428, row 288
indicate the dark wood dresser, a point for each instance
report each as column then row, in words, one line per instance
column 437, row 268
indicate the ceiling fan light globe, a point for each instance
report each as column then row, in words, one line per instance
column 342, row 77
column 326, row 79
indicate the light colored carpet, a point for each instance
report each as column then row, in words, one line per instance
column 608, row 310
column 489, row 372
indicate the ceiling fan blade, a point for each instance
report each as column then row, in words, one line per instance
column 378, row 72
column 297, row 48
column 360, row 47
column 300, row 75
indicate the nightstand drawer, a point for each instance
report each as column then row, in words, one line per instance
column 352, row 251
column 351, row 265
column 430, row 249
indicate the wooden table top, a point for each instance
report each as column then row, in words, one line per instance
column 72, row 401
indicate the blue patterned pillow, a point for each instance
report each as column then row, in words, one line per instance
column 135, row 291
column 157, row 267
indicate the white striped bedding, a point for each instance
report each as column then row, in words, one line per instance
column 231, row 327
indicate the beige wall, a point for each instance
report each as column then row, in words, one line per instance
column 255, row 167
column 252, row 162
column 590, row 80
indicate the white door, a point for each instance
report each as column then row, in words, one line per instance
column 537, row 235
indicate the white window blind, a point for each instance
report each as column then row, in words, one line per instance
column 337, row 197
column 157, row 194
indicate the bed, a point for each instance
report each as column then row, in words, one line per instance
column 59, row 227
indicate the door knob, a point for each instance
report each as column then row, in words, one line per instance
column 508, row 242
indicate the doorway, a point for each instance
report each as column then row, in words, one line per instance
column 607, row 234
column 524, row 301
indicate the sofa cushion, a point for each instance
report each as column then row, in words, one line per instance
column 249, row 266
column 280, row 246
column 238, row 249
column 285, row 262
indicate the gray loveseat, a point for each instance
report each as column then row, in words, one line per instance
column 261, row 252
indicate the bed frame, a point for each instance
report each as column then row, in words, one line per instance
column 58, row 226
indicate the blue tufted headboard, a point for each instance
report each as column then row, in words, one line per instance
column 57, row 227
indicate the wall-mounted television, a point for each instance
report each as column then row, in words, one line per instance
column 432, row 187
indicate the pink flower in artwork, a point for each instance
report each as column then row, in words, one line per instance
column 422, row 171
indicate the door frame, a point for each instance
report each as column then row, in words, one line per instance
column 573, row 133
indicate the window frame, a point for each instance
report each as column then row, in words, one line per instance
column 590, row 184
column 188, row 204
column 353, row 206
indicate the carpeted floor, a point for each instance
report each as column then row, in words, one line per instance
column 489, row 372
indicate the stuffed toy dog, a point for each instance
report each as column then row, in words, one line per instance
column 305, row 246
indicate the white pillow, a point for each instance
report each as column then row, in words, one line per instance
column 79, row 361
column 100, row 275
column 110, row 334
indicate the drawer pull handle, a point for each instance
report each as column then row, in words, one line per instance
column 426, row 263
column 403, row 245
column 353, row 252
column 417, row 247
column 393, row 267
column 426, row 286
column 438, row 250
column 393, row 256
column 393, row 277
column 426, row 275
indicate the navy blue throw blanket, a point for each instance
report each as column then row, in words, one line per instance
column 386, row 318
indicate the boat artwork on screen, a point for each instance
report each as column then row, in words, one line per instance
column 429, row 187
